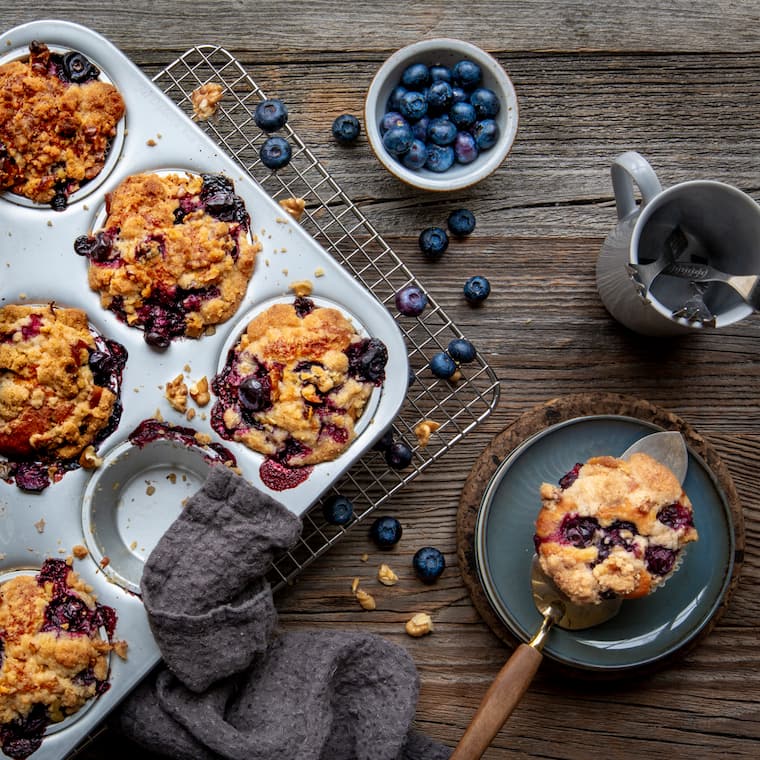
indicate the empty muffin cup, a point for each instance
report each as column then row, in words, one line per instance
column 133, row 498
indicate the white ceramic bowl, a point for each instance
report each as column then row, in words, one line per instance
column 445, row 51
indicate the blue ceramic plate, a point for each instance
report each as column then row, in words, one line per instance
column 645, row 630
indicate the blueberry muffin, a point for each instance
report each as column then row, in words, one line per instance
column 174, row 256
column 59, row 391
column 613, row 528
column 54, row 652
column 296, row 383
column 57, row 122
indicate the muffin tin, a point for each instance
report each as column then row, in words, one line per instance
column 120, row 509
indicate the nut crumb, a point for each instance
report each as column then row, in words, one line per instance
column 176, row 393
column 424, row 429
column 301, row 288
column 205, row 100
column 172, row 477
column 354, row 585
column 199, row 391
column 105, row 562
column 190, row 414
column 386, row 576
column 40, row 525
column 294, row 206
column 120, row 647
column 364, row 557
column 80, row 551
column 420, row 625
column 151, row 143
column 319, row 272
column 150, row 490
column 367, row 601
column 89, row 459
column 133, row 545
column 202, row 439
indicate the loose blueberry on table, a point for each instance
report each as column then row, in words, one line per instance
column 442, row 365
column 428, row 564
column 411, row 301
column 385, row 532
column 461, row 222
column 438, row 116
column 275, row 152
column 398, row 456
column 270, row 115
column 433, row 241
column 476, row 289
column 461, row 350
column 346, row 128
column 338, row 510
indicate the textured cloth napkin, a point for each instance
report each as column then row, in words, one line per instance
column 232, row 686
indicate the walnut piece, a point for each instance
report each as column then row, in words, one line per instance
column 88, row 459
column 386, row 576
column 367, row 601
column 205, row 100
column 199, row 391
column 419, row 625
column 294, row 206
column 176, row 393
column 424, row 429
column 80, row 551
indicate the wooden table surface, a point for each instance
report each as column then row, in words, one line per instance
column 677, row 81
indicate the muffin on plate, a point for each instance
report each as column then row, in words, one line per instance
column 296, row 382
column 57, row 123
column 55, row 639
column 174, row 255
column 613, row 528
column 59, row 391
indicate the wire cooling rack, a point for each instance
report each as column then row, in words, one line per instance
column 338, row 225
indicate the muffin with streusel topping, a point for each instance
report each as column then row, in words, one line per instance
column 296, row 383
column 613, row 528
column 59, row 391
column 55, row 640
column 174, row 255
column 57, row 123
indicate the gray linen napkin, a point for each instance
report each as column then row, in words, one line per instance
column 231, row 685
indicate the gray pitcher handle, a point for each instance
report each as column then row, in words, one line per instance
column 629, row 168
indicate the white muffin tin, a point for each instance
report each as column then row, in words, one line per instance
column 121, row 509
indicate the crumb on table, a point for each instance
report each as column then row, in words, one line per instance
column 424, row 429
column 420, row 625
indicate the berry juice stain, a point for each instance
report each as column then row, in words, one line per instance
column 280, row 477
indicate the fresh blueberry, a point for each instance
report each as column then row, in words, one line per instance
column 275, row 153
column 459, row 95
column 465, row 148
column 338, row 510
column 420, row 128
column 440, row 157
column 440, row 73
column 346, row 128
column 270, row 115
column 442, row 365
column 461, row 222
column 439, row 97
column 416, row 157
column 391, row 119
column 467, row 74
column 428, row 564
column 395, row 98
column 463, row 115
column 415, row 76
column 461, row 350
column 398, row 140
column 413, row 105
column 385, row 532
column 398, row 456
column 433, row 242
column 476, row 289
column 486, row 103
column 486, row 133
column 441, row 131
column 411, row 301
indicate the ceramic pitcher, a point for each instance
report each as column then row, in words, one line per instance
column 720, row 226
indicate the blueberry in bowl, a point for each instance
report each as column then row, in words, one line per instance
column 453, row 87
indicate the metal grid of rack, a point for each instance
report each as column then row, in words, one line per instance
column 340, row 227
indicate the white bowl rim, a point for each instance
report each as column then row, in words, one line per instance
column 471, row 173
